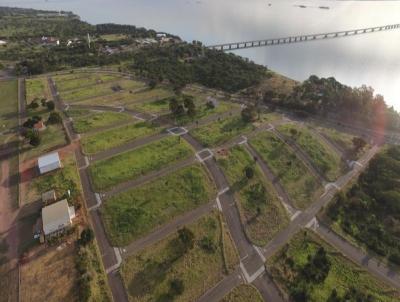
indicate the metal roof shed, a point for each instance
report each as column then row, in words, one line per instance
column 57, row 217
column 49, row 162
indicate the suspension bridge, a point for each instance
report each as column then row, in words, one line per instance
column 302, row 38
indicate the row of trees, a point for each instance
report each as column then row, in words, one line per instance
column 370, row 210
column 327, row 96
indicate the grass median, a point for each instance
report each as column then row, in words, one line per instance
column 132, row 214
column 132, row 164
column 300, row 185
column 322, row 156
column 261, row 212
column 177, row 270
column 115, row 137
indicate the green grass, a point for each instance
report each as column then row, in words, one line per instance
column 324, row 158
column 343, row 273
column 202, row 111
column 132, row 164
column 132, row 214
column 300, row 185
column 9, row 108
column 61, row 180
column 220, row 132
column 141, row 98
column 244, row 293
column 89, row 79
column 262, row 220
column 147, row 275
column 98, row 120
column 99, row 90
column 152, row 107
column 36, row 88
column 51, row 138
column 78, row 112
column 116, row 137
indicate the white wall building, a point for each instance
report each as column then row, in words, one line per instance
column 49, row 162
column 57, row 217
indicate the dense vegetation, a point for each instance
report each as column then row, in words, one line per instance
column 310, row 270
column 370, row 210
column 186, row 63
column 327, row 96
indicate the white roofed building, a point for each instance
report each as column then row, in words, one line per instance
column 57, row 217
column 49, row 162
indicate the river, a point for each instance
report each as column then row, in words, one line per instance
column 372, row 59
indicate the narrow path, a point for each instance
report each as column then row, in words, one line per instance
column 369, row 263
column 149, row 177
column 166, row 230
column 283, row 196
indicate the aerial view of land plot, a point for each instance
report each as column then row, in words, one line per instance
column 261, row 210
column 243, row 293
column 325, row 159
column 136, row 212
column 98, row 120
column 301, row 186
column 65, row 82
column 37, row 88
column 220, row 132
column 102, row 89
column 9, row 109
column 118, row 136
column 161, row 272
column 312, row 268
column 49, row 131
column 129, row 165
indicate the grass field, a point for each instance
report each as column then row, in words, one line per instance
column 134, row 213
column 262, row 215
column 78, row 112
column 324, row 158
column 132, row 164
column 148, row 275
column 152, row 107
column 300, row 185
column 51, row 277
column 9, row 108
column 99, row 120
column 135, row 100
column 102, row 90
column 88, row 79
column 116, row 137
column 343, row 274
column 51, row 138
column 202, row 111
column 220, row 132
column 37, row 88
column 60, row 180
column 244, row 293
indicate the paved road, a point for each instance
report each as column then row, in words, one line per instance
column 380, row 270
column 283, row 196
column 150, row 176
column 168, row 229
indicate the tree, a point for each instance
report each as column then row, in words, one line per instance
column 50, row 105
column 87, row 236
column 176, row 287
column 152, row 83
column 207, row 244
column 186, row 236
column 34, row 138
column 54, row 118
column 249, row 172
column 249, row 114
column 358, row 144
column 173, row 105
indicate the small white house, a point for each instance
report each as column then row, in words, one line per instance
column 49, row 162
column 57, row 217
column 2, row 42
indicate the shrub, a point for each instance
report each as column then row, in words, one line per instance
column 87, row 236
column 50, row 105
column 54, row 118
column 207, row 244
